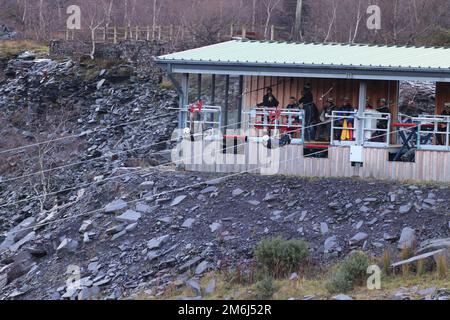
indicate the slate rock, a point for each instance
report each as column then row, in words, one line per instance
column 202, row 268
column 330, row 244
column 237, row 192
column 178, row 200
column 358, row 238
column 67, row 246
column 195, row 286
column 407, row 239
column 115, row 206
column 188, row 223
column 405, row 209
column 156, row 243
column 129, row 216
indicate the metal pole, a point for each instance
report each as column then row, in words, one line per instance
column 361, row 110
column 227, row 89
column 240, row 101
column 183, row 103
column 213, row 89
column 199, row 87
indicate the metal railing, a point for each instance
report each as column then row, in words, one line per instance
column 205, row 123
column 377, row 128
column 433, row 132
column 274, row 122
column 346, row 125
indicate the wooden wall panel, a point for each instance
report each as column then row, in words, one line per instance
column 284, row 88
column 429, row 165
column 442, row 95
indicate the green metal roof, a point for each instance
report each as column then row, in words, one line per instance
column 345, row 55
column 285, row 59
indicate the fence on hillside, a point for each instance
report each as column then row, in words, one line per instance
column 170, row 33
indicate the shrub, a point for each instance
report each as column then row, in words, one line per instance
column 265, row 289
column 351, row 272
column 280, row 257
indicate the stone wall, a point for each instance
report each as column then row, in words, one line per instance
column 134, row 51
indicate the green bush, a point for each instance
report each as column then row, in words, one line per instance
column 280, row 257
column 265, row 289
column 352, row 272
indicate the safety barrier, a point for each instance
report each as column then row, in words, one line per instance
column 272, row 122
column 433, row 132
column 343, row 128
column 376, row 129
column 202, row 121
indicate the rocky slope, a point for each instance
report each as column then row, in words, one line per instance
column 115, row 224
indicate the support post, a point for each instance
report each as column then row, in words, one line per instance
column 244, row 32
column 199, row 87
column 183, row 103
column 213, row 94
column 213, row 89
column 115, row 35
column 240, row 101
column 272, row 33
column 226, row 103
column 361, row 110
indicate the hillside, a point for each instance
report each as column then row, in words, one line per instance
column 94, row 194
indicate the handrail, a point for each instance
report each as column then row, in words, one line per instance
column 275, row 122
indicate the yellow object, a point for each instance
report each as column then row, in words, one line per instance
column 345, row 135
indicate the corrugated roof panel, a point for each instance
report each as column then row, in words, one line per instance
column 317, row 54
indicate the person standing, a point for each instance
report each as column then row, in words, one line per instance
column 441, row 138
column 269, row 100
column 325, row 119
column 311, row 113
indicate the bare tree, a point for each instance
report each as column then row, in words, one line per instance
column 298, row 35
column 270, row 6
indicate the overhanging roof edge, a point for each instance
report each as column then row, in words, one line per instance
column 324, row 70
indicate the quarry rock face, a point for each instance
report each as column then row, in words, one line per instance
column 115, row 216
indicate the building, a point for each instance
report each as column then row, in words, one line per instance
column 231, row 78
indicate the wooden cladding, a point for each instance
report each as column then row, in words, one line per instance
column 338, row 89
column 432, row 166
column 442, row 96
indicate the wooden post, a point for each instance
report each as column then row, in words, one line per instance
column 67, row 34
column 148, row 33
column 115, row 35
column 171, row 32
column 126, row 34
column 272, row 32
column 232, row 30
column 244, row 32
column 137, row 33
column 159, row 32
column 105, row 31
